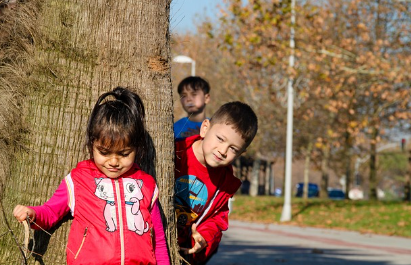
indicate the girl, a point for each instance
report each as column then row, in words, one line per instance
column 114, row 203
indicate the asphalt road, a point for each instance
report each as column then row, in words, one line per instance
column 258, row 244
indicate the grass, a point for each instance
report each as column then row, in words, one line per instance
column 379, row 217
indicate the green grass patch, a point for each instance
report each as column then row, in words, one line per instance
column 377, row 217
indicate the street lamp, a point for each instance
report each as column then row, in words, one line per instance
column 186, row 59
column 286, row 213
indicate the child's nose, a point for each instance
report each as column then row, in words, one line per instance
column 113, row 161
column 223, row 151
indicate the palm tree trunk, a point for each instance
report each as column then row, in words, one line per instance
column 80, row 49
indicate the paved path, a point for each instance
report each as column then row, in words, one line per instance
column 258, row 244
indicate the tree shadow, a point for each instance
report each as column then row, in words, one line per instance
column 41, row 240
column 241, row 253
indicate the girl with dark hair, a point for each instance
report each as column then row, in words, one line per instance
column 114, row 204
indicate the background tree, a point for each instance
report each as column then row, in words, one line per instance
column 355, row 56
column 364, row 64
column 57, row 59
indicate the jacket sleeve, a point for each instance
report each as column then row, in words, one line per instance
column 211, row 230
column 50, row 213
column 160, row 245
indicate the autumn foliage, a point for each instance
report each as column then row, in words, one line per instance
column 351, row 75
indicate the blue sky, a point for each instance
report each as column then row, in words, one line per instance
column 184, row 12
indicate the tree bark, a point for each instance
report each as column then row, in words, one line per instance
column 80, row 49
column 407, row 181
column 373, row 165
column 307, row 170
column 255, row 172
column 272, row 179
column 347, row 163
column 267, row 178
column 324, row 172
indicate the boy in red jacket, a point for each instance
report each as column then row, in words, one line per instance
column 205, row 181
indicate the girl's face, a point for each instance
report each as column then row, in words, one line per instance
column 114, row 161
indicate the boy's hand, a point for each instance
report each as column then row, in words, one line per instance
column 21, row 212
column 199, row 242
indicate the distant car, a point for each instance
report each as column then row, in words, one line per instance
column 336, row 194
column 313, row 190
column 278, row 192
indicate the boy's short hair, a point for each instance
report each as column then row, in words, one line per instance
column 241, row 116
column 195, row 83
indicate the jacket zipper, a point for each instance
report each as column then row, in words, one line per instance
column 120, row 220
column 82, row 242
column 208, row 208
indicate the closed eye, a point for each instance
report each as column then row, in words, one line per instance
column 103, row 152
column 234, row 150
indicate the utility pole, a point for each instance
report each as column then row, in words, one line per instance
column 286, row 213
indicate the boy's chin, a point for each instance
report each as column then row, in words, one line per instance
column 192, row 111
column 215, row 164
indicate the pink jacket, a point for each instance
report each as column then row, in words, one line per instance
column 115, row 220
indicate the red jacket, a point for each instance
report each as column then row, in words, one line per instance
column 112, row 223
column 206, row 191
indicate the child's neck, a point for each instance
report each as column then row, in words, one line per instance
column 199, row 117
column 198, row 151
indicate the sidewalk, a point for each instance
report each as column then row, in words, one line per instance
column 259, row 244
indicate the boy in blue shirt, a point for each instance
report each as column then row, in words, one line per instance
column 194, row 94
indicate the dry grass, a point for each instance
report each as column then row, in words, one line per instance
column 17, row 30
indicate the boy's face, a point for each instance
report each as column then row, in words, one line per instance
column 193, row 101
column 221, row 144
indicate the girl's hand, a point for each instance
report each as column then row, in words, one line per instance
column 21, row 212
column 199, row 242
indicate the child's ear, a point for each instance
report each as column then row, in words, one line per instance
column 204, row 127
column 206, row 98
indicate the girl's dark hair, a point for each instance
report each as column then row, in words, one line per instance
column 117, row 120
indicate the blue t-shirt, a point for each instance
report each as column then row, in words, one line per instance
column 184, row 128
